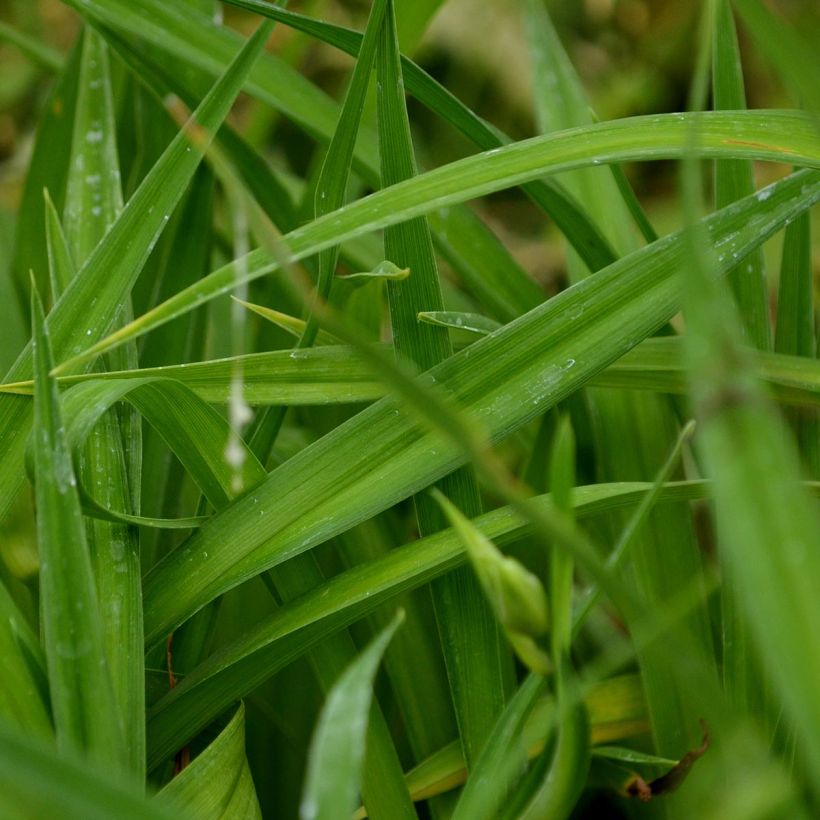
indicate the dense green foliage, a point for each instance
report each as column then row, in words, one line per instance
column 375, row 443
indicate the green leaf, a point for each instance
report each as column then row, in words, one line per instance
column 82, row 700
column 764, row 135
column 503, row 758
column 236, row 669
column 93, row 201
column 478, row 665
column 93, row 190
column 335, row 172
column 292, row 325
column 548, row 354
column 113, row 267
column 336, row 374
column 217, row 784
column 516, row 596
column 61, row 267
column 561, row 569
column 35, row 782
column 473, row 322
column 385, row 271
column 733, row 177
column 337, row 749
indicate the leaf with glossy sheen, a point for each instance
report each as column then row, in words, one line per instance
column 217, row 785
column 337, row 748
column 236, row 669
column 92, row 203
column 479, row 665
column 763, row 135
column 734, row 178
column 109, row 273
column 381, row 456
column 82, row 700
column 336, row 374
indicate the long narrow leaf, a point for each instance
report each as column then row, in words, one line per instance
column 477, row 662
column 82, row 699
column 113, row 267
column 547, row 355
column 337, row 750
column 752, row 134
column 236, row 669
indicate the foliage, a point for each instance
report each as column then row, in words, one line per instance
column 561, row 427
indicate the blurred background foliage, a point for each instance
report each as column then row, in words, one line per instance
column 634, row 56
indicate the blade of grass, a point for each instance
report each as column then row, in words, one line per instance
column 337, row 749
column 733, row 177
column 236, row 669
column 335, row 374
column 92, row 203
column 547, row 355
column 113, row 267
column 217, row 784
column 61, row 267
column 35, row 782
column 639, row 138
column 478, row 665
column 82, row 699
column 630, row 430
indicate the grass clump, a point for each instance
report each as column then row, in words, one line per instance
column 493, row 510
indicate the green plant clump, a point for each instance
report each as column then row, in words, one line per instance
column 395, row 429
